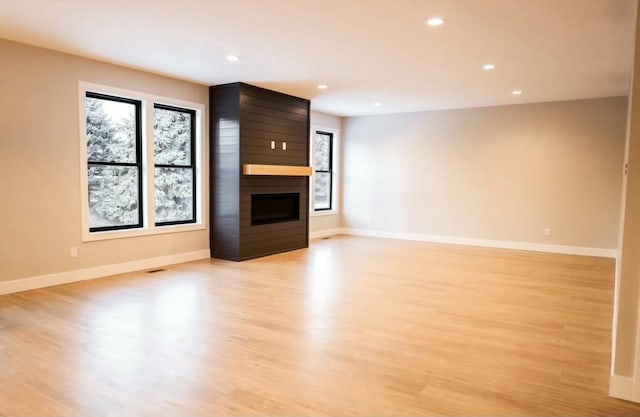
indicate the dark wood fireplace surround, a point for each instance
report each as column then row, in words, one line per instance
column 252, row 125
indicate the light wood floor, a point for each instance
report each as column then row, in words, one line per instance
column 350, row 326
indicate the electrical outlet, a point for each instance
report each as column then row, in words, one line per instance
column 547, row 231
column 74, row 252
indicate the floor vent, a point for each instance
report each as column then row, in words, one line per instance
column 153, row 271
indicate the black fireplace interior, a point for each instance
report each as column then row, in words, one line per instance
column 274, row 208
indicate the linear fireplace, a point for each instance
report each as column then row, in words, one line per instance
column 274, row 208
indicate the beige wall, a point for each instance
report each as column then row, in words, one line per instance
column 327, row 222
column 39, row 163
column 499, row 173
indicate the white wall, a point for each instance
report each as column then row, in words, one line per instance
column 626, row 363
column 497, row 173
column 322, row 223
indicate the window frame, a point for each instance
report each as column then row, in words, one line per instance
column 192, row 163
column 137, row 164
column 147, row 197
column 333, row 171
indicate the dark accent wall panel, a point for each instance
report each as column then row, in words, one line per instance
column 245, row 119
column 225, row 173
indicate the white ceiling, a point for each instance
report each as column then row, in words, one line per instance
column 365, row 50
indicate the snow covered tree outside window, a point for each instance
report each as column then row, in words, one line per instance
column 174, row 138
column 322, row 163
column 114, row 162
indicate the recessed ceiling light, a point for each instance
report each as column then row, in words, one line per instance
column 377, row 104
column 233, row 58
column 488, row 67
column 322, row 86
column 517, row 92
column 435, row 21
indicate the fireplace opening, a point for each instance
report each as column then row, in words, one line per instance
column 274, row 208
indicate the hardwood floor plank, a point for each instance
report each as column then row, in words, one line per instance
column 350, row 326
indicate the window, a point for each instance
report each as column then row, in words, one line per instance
column 322, row 147
column 175, row 173
column 114, row 156
column 141, row 158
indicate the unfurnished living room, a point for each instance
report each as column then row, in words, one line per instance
column 292, row 207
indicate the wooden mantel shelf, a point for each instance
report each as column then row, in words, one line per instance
column 282, row 170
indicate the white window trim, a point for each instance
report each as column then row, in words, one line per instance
column 334, row 172
column 148, row 100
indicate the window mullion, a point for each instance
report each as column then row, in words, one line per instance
column 114, row 164
column 149, row 170
column 312, row 183
column 172, row 166
column 140, row 161
column 192, row 161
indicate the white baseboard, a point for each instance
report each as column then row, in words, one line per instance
column 502, row 244
column 324, row 233
column 621, row 387
column 59, row 278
